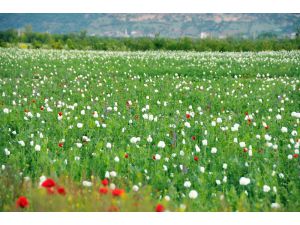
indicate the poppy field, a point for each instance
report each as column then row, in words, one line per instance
column 149, row 131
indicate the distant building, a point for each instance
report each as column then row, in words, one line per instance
column 292, row 35
column 204, row 35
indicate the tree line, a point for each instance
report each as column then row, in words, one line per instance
column 82, row 41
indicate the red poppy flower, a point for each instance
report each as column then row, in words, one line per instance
column 104, row 182
column 188, row 116
column 267, row 127
column 60, row 113
column 246, row 113
column 159, row 208
column 61, row 191
column 245, row 149
column 196, row 158
column 103, row 190
column 117, row 192
column 126, row 155
column 296, row 156
column 194, row 138
column 22, row 202
column 48, row 183
column 153, row 157
column 60, row 144
column 42, row 108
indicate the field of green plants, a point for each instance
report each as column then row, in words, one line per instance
column 149, row 131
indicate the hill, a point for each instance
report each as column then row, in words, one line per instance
column 165, row 25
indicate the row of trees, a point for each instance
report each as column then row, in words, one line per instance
column 30, row 39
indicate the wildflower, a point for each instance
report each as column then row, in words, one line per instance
column 22, row 202
column 135, row 188
column 103, row 190
column 157, row 157
column 105, row 182
column 214, row 150
column 117, row 192
column 159, row 208
column 242, row 144
column 275, row 206
column 202, row 169
column 149, row 139
column 197, row 148
column 268, row 137
column 187, row 184
column 22, row 143
column 167, row 198
column 108, row 145
column 193, row 194
column 161, row 144
column 134, row 140
column 113, row 174
column 79, row 125
column 284, row 130
column 6, row 151
column 61, row 191
column 6, row 110
column 204, row 142
column 60, row 144
column 296, row 114
column 87, row 183
column 126, row 155
column 187, row 124
column 244, row 181
column 266, row 188
column 37, row 148
column 196, row 158
column 188, row 116
column 48, row 183
column 112, row 186
column 79, row 145
column 117, row 159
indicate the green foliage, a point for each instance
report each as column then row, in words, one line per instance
column 81, row 41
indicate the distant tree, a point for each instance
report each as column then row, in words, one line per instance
column 267, row 35
column 36, row 44
column 82, row 34
column 28, row 29
column 298, row 32
column 10, row 35
column 70, row 43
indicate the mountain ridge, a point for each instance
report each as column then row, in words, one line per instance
column 150, row 25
